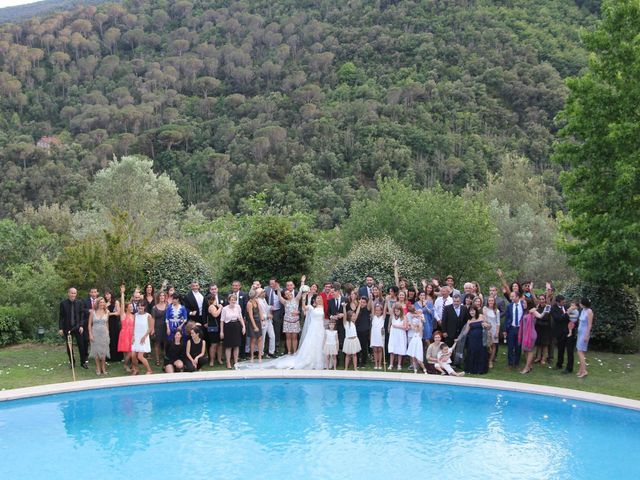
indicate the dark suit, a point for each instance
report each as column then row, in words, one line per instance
column 511, row 326
column 69, row 321
column 560, row 319
column 363, row 291
column 452, row 323
column 87, row 307
column 336, row 307
column 191, row 304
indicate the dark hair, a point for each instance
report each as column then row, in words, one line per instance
column 469, row 295
column 143, row 304
column 559, row 298
column 443, row 345
column 530, row 303
column 313, row 298
column 144, row 290
column 519, row 287
column 475, row 309
column 394, row 289
column 176, row 296
column 198, row 330
column 585, row 302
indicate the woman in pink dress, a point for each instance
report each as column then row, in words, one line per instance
column 126, row 330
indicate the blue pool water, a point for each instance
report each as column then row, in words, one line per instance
column 327, row 429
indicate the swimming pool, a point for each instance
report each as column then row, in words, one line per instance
column 314, row 428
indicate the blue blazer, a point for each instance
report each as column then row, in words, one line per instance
column 363, row 292
column 509, row 314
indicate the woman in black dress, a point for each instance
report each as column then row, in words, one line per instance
column 477, row 357
column 159, row 336
column 113, row 306
column 213, row 328
column 174, row 354
column 196, row 351
column 543, row 330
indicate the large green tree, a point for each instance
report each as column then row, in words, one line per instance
column 600, row 145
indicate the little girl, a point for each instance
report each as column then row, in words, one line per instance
column 397, row 335
column 415, row 350
column 444, row 361
column 377, row 335
column 415, row 320
column 351, row 345
column 330, row 347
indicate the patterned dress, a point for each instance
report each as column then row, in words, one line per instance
column 100, row 344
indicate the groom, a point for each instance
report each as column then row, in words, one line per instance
column 337, row 303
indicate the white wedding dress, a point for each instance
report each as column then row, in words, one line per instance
column 309, row 355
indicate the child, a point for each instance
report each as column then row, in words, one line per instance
column 330, row 347
column 415, row 321
column 444, row 360
column 377, row 335
column 351, row 345
column 397, row 335
column 574, row 315
column 415, row 350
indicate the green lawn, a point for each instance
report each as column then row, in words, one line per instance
column 609, row 373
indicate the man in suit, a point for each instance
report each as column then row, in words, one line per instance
column 442, row 301
column 366, row 290
column 195, row 305
column 513, row 317
column 560, row 319
column 454, row 317
column 70, row 322
column 451, row 284
column 337, row 303
column 277, row 310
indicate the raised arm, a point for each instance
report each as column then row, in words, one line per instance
column 396, row 277
column 122, row 311
column 299, row 295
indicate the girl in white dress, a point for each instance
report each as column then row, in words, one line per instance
column 351, row 345
column 415, row 349
column 415, row 319
column 397, row 335
column 330, row 347
column 377, row 335
column 142, row 330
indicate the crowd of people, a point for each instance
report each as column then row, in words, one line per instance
column 432, row 328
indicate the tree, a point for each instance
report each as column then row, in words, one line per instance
column 451, row 234
column 130, row 186
column 271, row 245
column 600, row 146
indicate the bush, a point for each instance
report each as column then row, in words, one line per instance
column 176, row 262
column 375, row 257
column 615, row 315
column 9, row 326
column 271, row 245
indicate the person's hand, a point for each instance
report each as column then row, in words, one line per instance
column 60, row 332
column 504, row 334
column 193, row 313
column 256, row 330
column 244, row 331
column 81, row 330
column 499, row 272
column 122, row 288
column 143, row 340
column 304, row 277
column 91, row 338
column 221, row 335
column 395, row 263
column 195, row 363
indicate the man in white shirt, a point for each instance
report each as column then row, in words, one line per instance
column 442, row 301
column 194, row 303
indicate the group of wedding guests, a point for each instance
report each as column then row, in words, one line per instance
column 434, row 328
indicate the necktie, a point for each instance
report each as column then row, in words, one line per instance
column 272, row 297
column 516, row 315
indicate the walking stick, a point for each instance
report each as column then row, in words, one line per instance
column 70, row 347
column 384, row 353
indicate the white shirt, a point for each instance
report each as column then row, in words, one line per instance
column 439, row 305
column 199, row 300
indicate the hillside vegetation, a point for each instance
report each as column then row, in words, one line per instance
column 308, row 101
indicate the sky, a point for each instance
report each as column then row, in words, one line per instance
column 11, row 3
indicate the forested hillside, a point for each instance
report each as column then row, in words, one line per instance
column 23, row 12
column 308, row 101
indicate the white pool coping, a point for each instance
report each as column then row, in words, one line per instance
column 566, row 393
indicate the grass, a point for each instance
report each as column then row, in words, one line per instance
column 609, row 373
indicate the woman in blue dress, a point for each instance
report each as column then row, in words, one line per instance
column 176, row 317
column 584, row 332
column 425, row 305
column 477, row 357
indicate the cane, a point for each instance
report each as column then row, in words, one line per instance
column 70, row 347
column 384, row 354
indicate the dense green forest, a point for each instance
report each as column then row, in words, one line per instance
column 308, row 101
column 23, row 12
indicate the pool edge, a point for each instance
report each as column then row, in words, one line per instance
column 67, row 387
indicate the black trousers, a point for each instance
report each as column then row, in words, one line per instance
column 82, row 343
column 278, row 316
column 364, row 345
column 568, row 344
column 188, row 366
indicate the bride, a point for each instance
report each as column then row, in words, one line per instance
column 309, row 355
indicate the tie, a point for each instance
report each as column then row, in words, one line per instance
column 515, row 314
column 272, row 297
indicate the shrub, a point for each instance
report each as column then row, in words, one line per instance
column 176, row 262
column 9, row 326
column 615, row 314
column 375, row 257
column 271, row 245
